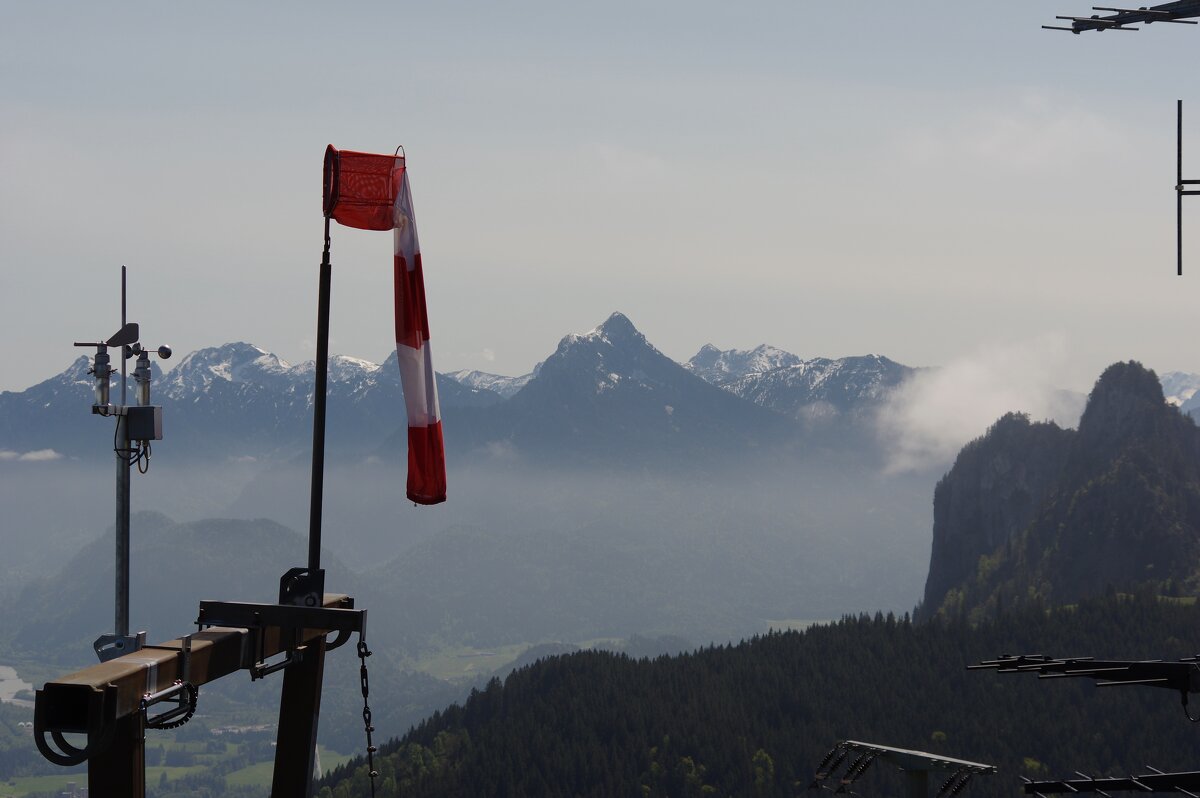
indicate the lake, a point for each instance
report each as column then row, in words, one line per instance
column 11, row 684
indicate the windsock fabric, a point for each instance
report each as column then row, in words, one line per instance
column 371, row 192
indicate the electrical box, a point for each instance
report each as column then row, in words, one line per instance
column 143, row 423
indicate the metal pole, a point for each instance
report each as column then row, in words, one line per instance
column 918, row 783
column 122, row 616
column 299, row 714
column 120, row 769
column 319, row 391
column 122, row 565
column 1179, row 187
column 123, row 320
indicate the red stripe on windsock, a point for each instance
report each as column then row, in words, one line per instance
column 426, row 465
column 412, row 318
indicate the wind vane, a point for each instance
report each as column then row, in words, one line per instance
column 1123, row 18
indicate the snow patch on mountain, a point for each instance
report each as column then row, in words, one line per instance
column 233, row 363
column 814, row 390
column 498, row 383
column 1179, row 387
column 721, row 367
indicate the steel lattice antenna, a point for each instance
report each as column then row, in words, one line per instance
column 1178, row 12
column 1126, row 18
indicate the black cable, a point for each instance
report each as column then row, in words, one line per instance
column 125, row 454
column 1184, row 697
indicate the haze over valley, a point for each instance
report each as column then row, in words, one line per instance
column 611, row 499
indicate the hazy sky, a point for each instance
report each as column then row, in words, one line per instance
column 925, row 180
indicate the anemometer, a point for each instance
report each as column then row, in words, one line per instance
column 137, row 425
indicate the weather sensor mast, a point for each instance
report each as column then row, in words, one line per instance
column 137, row 426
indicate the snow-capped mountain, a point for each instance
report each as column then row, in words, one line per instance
column 1179, row 387
column 233, row 400
column 232, row 364
column 721, row 367
column 498, row 383
column 809, row 389
column 610, row 395
column 600, row 395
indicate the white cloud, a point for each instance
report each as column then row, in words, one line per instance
column 1028, row 132
column 935, row 414
column 39, row 456
column 7, row 454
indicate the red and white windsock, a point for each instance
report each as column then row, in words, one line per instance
column 371, row 192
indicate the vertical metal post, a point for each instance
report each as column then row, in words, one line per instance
column 122, row 532
column 123, row 321
column 120, row 769
column 122, row 603
column 299, row 712
column 1179, row 186
column 319, row 391
column 918, row 783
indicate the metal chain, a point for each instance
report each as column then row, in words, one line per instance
column 363, row 653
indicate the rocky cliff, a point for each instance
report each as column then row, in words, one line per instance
column 1031, row 512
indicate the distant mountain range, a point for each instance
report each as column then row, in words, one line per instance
column 615, row 492
column 596, row 394
column 626, row 492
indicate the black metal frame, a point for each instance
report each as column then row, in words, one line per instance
column 916, row 765
column 1182, row 675
column 1123, row 18
column 1187, row 782
column 1180, row 187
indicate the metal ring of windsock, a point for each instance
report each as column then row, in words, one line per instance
column 371, row 192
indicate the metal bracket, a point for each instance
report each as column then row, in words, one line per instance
column 261, row 669
column 98, row 724
column 287, row 621
column 302, row 587
column 285, row 617
column 111, row 646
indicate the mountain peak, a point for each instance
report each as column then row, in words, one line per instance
column 1123, row 395
column 616, row 329
column 618, row 324
column 229, row 364
column 617, row 332
column 1130, row 377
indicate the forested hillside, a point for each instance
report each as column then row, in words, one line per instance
column 755, row 718
column 1031, row 511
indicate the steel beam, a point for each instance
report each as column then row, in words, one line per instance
column 93, row 700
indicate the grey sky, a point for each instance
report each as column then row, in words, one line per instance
column 922, row 180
